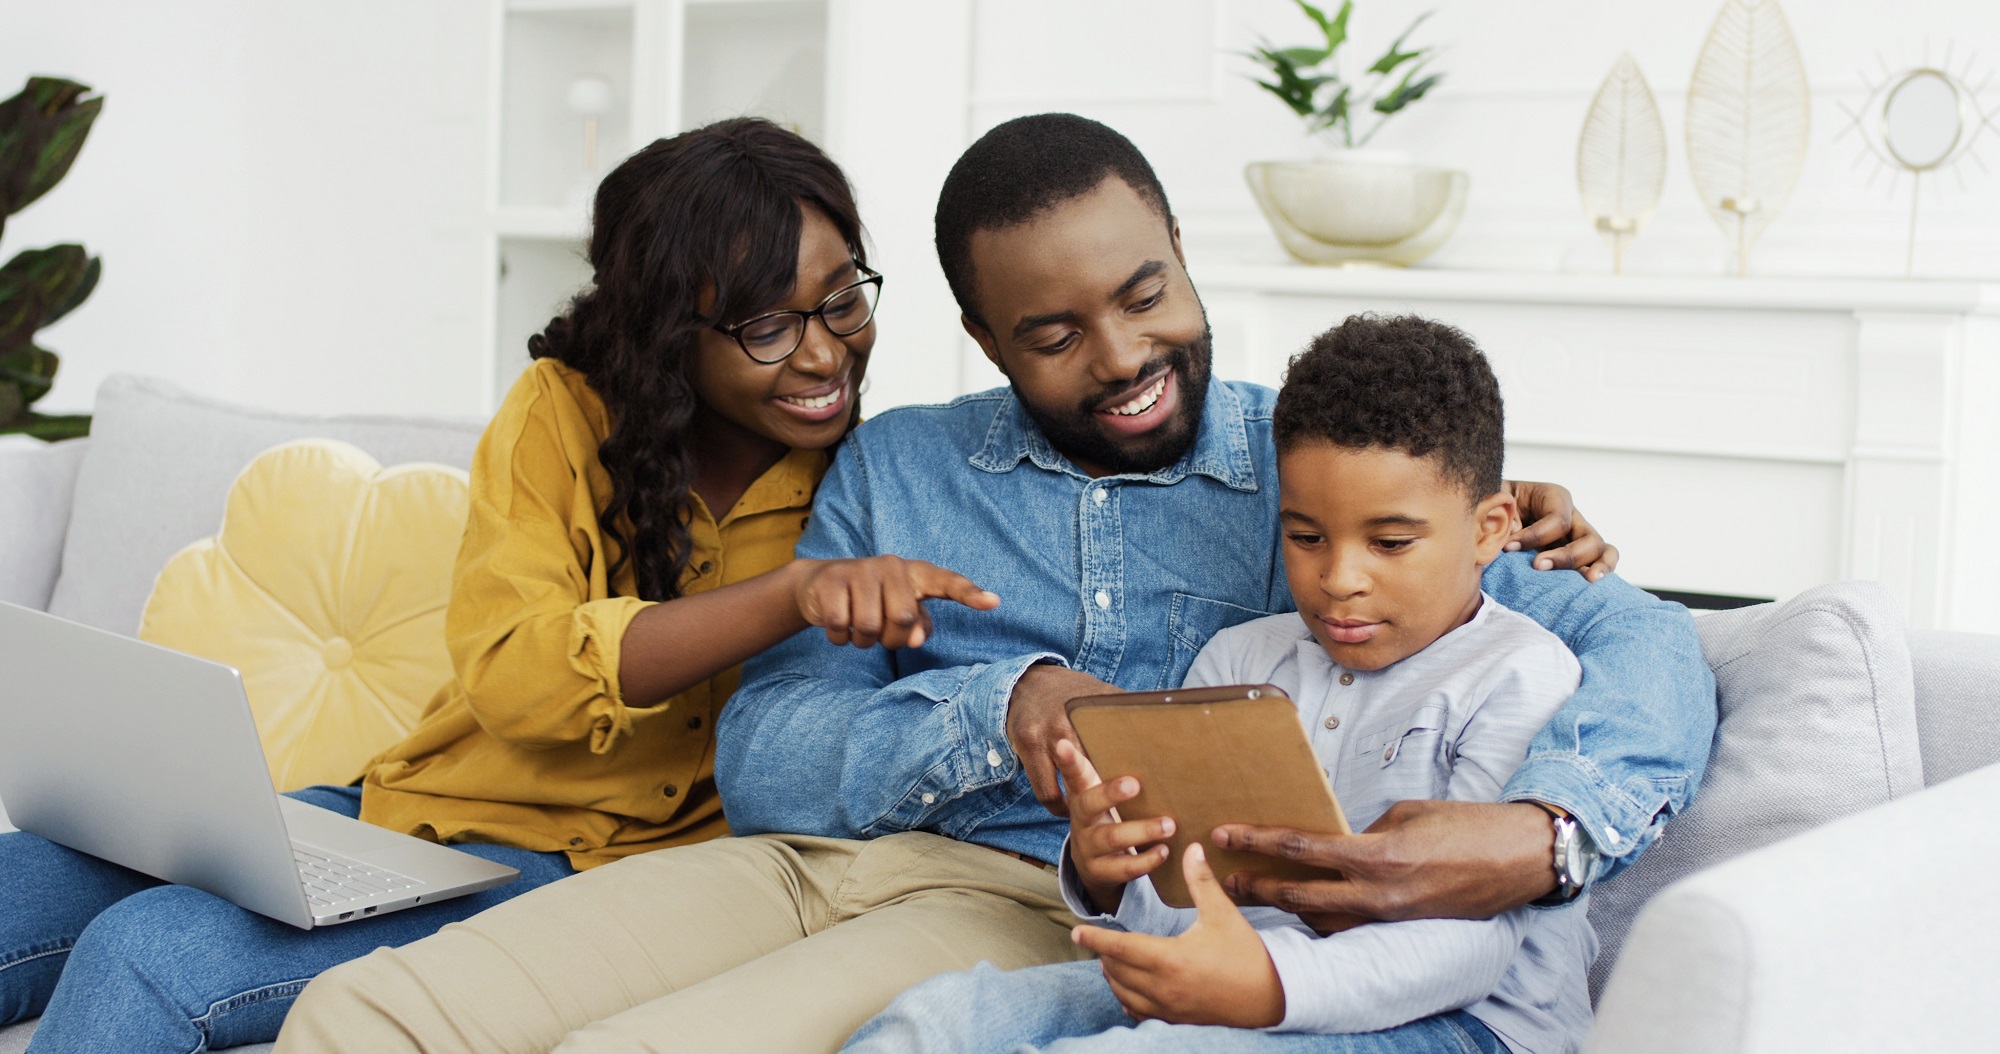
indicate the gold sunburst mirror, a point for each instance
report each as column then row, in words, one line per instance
column 1921, row 121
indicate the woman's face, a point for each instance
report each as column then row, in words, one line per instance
column 807, row 400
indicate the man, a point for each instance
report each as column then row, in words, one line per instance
column 1122, row 503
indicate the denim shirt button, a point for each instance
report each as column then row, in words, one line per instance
column 992, row 757
column 1103, row 599
column 929, row 798
column 1098, row 496
column 1611, row 835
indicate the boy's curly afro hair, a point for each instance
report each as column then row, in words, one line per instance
column 1402, row 383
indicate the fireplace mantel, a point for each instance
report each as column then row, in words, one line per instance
column 1743, row 436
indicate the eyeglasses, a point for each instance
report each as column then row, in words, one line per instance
column 771, row 338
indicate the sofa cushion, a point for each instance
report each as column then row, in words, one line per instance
column 37, row 481
column 1958, row 701
column 326, row 587
column 159, row 466
column 1818, row 720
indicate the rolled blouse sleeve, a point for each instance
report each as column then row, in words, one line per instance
column 533, row 629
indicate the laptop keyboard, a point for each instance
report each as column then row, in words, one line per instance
column 331, row 880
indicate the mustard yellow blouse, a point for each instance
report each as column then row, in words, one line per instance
column 532, row 745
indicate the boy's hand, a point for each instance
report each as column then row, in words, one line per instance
column 1100, row 844
column 1559, row 531
column 878, row 599
column 1217, row 973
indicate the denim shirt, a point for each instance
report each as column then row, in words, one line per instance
column 1126, row 577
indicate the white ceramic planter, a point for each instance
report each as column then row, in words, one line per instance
column 1347, row 211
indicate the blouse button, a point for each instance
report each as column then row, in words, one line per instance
column 576, row 841
column 670, row 790
column 694, row 722
column 707, row 566
column 1346, row 678
column 1333, row 722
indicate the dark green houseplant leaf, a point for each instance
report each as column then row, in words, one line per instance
column 41, row 131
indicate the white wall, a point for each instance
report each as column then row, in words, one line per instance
column 286, row 194
column 278, row 191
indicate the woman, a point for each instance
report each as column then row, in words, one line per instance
column 634, row 506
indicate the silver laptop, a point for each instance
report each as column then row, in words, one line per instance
column 148, row 757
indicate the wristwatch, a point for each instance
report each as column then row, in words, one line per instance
column 1575, row 857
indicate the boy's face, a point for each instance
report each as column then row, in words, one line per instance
column 1382, row 553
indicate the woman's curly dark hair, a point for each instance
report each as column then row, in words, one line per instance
column 711, row 213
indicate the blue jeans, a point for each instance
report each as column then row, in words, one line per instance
column 1069, row 1009
column 114, row 960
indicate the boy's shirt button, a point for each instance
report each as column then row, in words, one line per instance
column 1333, row 722
column 1346, row 678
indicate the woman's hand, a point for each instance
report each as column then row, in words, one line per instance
column 1107, row 851
column 1552, row 521
column 879, row 599
column 1216, row 973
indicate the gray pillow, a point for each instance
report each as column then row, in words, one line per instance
column 36, row 483
column 159, row 467
column 1818, row 720
column 1958, row 701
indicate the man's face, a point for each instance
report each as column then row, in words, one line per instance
column 1094, row 322
column 1382, row 553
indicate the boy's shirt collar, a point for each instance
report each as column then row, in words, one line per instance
column 1221, row 449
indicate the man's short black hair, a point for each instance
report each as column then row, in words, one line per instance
column 1402, row 383
column 1023, row 168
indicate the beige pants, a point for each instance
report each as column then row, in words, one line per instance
column 766, row 944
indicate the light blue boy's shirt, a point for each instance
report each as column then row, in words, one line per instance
column 1453, row 722
column 1127, row 578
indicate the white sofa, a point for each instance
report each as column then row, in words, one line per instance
column 1816, row 896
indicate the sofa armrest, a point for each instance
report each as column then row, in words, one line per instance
column 37, row 481
column 1879, row 931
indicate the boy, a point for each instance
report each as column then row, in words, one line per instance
column 1412, row 684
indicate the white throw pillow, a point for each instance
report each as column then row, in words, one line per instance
column 1818, row 720
column 158, row 472
column 37, row 482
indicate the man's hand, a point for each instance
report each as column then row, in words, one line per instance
column 1421, row 860
column 1100, row 844
column 1037, row 721
column 1552, row 520
column 879, row 599
column 1217, row 973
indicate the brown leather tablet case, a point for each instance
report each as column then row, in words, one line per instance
column 1209, row 756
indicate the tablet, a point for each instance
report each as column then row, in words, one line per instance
column 1210, row 756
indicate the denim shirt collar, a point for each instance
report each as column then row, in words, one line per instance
column 1221, row 448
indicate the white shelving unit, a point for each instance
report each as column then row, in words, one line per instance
column 672, row 65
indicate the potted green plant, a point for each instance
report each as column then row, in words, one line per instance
column 1355, row 205
column 41, row 130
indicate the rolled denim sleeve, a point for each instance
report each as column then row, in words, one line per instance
column 1626, row 753
column 835, row 741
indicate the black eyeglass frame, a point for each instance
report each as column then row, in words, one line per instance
column 870, row 276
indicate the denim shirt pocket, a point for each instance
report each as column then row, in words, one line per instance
column 1398, row 760
column 1191, row 622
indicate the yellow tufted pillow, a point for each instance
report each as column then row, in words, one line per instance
column 326, row 587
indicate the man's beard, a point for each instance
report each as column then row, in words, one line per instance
column 1077, row 437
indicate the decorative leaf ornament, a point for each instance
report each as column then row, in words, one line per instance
column 1621, row 159
column 1749, row 113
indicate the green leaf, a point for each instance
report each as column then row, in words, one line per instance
column 92, row 271
column 1407, row 92
column 36, row 287
column 1396, row 56
column 41, row 131
column 29, row 372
